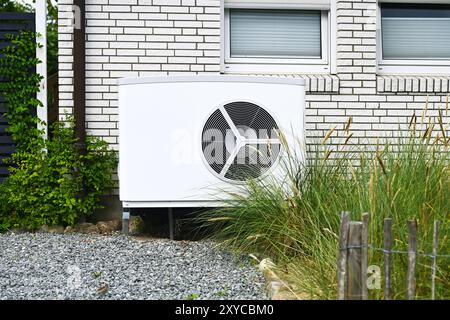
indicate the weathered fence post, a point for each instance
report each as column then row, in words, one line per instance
column 387, row 246
column 433, row 266
column 412, row 254
column 364, row 254
column 342, row 259
column 354, row 258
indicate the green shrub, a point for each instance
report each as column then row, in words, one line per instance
column 47, row 175
column 297, row 224
column 44, row 187
column 19, row 88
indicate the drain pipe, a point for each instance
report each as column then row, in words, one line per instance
column 79, row 82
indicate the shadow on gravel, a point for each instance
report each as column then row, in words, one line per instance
column 156, row 222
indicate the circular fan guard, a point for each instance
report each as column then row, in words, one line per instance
column 240, row 141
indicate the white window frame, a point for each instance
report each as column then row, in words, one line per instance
column 280, row 65
column 438, row 67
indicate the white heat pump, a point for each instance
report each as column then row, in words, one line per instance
column 187, row 141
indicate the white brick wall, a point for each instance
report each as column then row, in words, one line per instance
column 159, row 37
column 135, row 38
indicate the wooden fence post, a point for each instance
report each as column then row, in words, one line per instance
column 387, row 246
column 354, row 259
column 433, row 266
column 412, row 254
column 364, row 254
column 342, row 259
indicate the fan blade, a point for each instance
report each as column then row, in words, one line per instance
column 230, row 160
column 230, row 123
column 262, row 141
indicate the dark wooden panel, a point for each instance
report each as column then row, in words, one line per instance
column 3, row 44
column 10, row 23
column 16, row 16
column 2, row 119
column 4, row 33
column 5, row 139
column 8, row 26
column 3, row 171
column 6, row 149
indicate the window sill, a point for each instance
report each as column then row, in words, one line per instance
column 313, row 82
column 413, row 84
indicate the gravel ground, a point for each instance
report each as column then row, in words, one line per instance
column 78, row 266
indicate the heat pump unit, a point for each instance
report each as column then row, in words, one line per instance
column 187, row 141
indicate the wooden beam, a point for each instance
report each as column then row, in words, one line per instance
column 342, row 259
column 364, row 254
column 412, row 255
column 387, row 246
column 434, row 259
column 79, row 74
column 354, row 283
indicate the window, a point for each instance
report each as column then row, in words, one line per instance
column 415, row 38
column 273, row 39
column 275, row 34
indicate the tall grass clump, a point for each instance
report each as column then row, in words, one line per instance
column 296, row 222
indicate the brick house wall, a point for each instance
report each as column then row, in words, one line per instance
column 166, row 37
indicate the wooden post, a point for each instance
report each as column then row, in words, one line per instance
column 79, row 89
column 354, row 259
column 412, row 254
column 342, row 259
column 433, row 266
column 387, row 245
column 364, row 254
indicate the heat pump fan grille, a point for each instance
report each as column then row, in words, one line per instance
column 240, row 141
column 213, row 143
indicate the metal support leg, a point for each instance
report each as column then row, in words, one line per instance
column 171, row 224
column 126, row 220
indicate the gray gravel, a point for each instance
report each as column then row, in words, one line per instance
column 77, row 266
